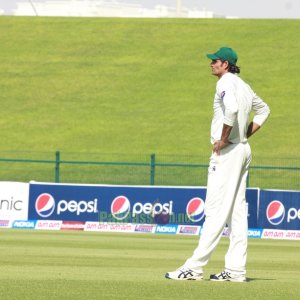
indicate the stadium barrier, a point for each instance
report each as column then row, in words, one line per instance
column 138, row 169
column 160, row 210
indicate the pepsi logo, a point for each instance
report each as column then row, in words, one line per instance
column 275, row 212
column 120, row 207
column 44, row 205
column 195, row 209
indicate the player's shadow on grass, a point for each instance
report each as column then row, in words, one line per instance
column 259, row 279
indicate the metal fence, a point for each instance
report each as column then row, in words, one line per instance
column 129, row 169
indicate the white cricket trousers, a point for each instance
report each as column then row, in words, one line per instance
column 225, row 204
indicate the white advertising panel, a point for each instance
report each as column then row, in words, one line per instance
column 14, row 200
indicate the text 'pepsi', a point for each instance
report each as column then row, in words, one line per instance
column 293, row 214
column 78, row 207
column 154, row 209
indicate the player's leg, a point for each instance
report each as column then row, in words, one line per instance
column 235, row 259
column 208, row 240
column 222, row 186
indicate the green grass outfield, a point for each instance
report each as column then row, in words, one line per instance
column 83, row 265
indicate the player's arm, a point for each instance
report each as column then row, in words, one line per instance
column 224, row 141
column 262, row 112
column 227, row 94
column 252, row 128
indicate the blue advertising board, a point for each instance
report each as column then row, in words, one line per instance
column 63, row 202
column 252, row 195
column 279, row 209
column 126, row 204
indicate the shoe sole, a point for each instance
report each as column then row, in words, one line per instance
column 231, row 280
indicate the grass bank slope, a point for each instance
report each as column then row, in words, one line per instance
column 139, row 85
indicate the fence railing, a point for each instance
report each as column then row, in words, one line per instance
column 149, row 170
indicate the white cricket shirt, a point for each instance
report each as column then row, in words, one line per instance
column 234, row 100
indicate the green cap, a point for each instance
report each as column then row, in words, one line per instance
column 224, row 53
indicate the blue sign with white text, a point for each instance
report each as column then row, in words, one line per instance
column 279, row 210
column 126, row 204
column 166, row 229
column 29, row 224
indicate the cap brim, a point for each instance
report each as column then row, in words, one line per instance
column 212, row 56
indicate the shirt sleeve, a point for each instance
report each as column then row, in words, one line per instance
column 225, row 90
column 261, row 110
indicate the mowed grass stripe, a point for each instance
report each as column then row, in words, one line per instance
column 81, row 265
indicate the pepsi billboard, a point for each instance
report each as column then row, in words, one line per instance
column 279, row 210
column 63, row 202
column 124, row 204
column 160, row 205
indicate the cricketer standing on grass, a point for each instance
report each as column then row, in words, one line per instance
column 227, row 173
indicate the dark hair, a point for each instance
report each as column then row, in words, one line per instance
column 234, row 69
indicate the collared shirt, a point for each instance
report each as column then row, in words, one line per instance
column 234, row 100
